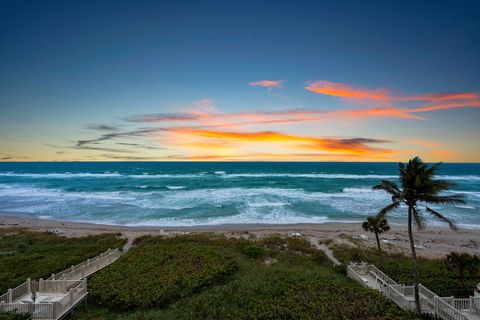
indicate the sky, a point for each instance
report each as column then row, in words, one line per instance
column 239, row 80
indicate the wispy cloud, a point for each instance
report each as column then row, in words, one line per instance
column 343, row 90
column 102, row 127
column 270, row 84
column 428, row 102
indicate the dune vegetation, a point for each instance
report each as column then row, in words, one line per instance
column 213, row 277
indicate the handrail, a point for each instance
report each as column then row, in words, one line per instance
column 383, row 276
column 448, row 308
column 86, row 268
column 447, row 312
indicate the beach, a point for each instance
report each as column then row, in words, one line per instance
column 433, row 242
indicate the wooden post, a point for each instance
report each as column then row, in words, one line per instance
column 9, row 295
column 41, row 285
column 55, row 307
column 29, row 289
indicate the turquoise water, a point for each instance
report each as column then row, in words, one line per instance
column 199, row 193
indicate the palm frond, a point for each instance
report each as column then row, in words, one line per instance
column 435, row 186
column 433, row 169
column 388, row 186
column 381, row 214
column 440, row 216
column 453, row 199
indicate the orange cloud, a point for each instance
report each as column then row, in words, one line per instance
column 343, row 90
column 230, row 143
column 270, row 84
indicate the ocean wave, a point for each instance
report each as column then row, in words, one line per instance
column 65, row 175
column 204, row 206
column 309, row 175
column 224, row 175
column 175, row 187
column 473, row 194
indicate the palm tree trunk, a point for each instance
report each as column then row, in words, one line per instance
column 379, row 249
column 415, row 262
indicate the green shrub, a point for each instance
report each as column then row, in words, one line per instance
column 14, row 316
column 253, row 251
column 157, row 272
column 301, row 284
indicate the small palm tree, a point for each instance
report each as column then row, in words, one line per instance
column 377, row 225
column 463, row 263
column 417, row 187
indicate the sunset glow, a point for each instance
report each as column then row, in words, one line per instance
column 279, row 88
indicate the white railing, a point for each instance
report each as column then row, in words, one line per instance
column 381, row 275
column 56, row 285
column 447, row 312
column 448, row 308
column 75, row 295
column 51, row 310
column 37, row 310
column 354, row 275
column 88, row 267
column 16, row 293
column 425, row 291
column 476, row 304
column 396, row 296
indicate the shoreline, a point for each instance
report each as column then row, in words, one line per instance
column 434, row 242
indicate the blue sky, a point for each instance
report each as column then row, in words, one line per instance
column 68, row 66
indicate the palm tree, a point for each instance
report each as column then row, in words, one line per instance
column 417, row 188
column 463, row 263
column 377, row 225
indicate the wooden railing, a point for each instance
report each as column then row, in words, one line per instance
column 88, row 267
column 47, row 286
column 37, row 310
column 16, row 293
column 76, row 292
column 74, row 296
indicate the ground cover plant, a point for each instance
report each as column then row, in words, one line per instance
column 434, row 273
column 157, row 272
column 213, row 277
column 25, row 254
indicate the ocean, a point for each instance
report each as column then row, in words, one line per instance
column 207, row 193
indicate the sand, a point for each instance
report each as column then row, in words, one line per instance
column 433, row 242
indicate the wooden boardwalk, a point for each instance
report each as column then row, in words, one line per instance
column 54, row 298
column 447, row 308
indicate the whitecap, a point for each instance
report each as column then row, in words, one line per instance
column 175, row 187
